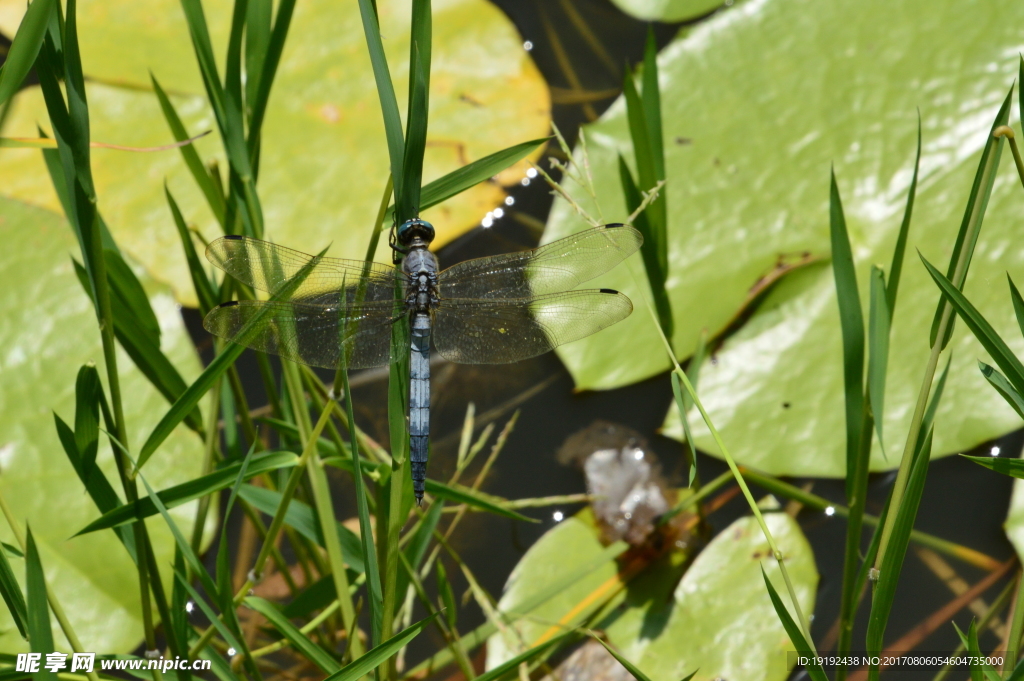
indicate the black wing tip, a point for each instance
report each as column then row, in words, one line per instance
column 230, row 303
column 233, row 237
column 610, row 291
column 613, row 225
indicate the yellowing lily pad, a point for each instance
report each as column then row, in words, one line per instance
column 324, row 159
column 48, row 332
column 752, row 124
column 718, row 617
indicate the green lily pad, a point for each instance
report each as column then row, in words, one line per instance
column 752, row 126
column 718, row 617
column 324, row 160
column 667, row 10
column 49, row 332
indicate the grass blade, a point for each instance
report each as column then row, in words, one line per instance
column 37, row 608
column 459, row 494
column 257, row 104
column 896, row 268
column 511, row 665
column 982, row 330
column 1011, row 467
column 970, row 227
column 793, row 630
column 11, row 592
column 24, row 48
column 312, row 652
column 879, row 321
column 1003, row 387
column 416, row 119
column 379, row 654
column 206, row 291
column 214, row 197
column 630, row 667
column 851, row 321
column 193, row 489
column 386, row 92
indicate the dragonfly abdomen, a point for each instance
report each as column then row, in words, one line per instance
column 419, row 401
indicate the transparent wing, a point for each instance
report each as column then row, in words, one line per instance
column 309, row 334
column 558, row 266
column 268, row 267
column 485, row 331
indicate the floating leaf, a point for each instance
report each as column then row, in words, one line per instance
column 50, row 332
column 323, row 159
column 752, row 124
column 719, row 617
column 667, row 10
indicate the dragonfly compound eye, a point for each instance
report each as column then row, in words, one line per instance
column 410, row 229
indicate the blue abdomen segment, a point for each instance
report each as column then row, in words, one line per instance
column 419, row 402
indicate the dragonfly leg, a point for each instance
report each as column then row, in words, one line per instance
column 419, row 402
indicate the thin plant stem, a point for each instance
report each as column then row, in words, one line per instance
column 58, row 611
column 1016, row 626
column 779, row 556
column 210, row 446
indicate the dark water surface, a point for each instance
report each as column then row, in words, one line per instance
column 962, row 502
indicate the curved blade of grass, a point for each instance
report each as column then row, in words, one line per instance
column 37, row 608
column 193, row 489
column 630, row 667
column 221, row 628
column 376, row 656
column 11, row 592
column 386, row 92
column 1003, row 387
column 982, row 330
column 257, row 104
column 459, row 494
column 879, row 321
column 311, row 651
column 851, row 320
column 513, row 664
column 24, row 48
column 795, row 633
column 1011, row 467
column 970, row 226
column 214, row 197
column 896, row 269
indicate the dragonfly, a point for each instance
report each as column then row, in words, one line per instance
column 338, row 314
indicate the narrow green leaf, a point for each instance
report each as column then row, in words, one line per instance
column 258, row 19
column 311, row 651
column 376, row 656
column 970, row 642
column 647, row 175
column 193, row 489
column 222, row 629
column 258, row 104
column 1011, row 467
column 301, row 517
column 416, row 118
column 87, row 418
column 459, row 494
column 37, row 608
column 24, row 48
column 386, row 92
column 1003, row 387
column 892, row 562
column 630, row 667
column 651, row 96
column 814, row 670
column 444, row 589
column 126, row 288
column 1018, row 672
column 214, row 197
column 513, row 664
column 896, row 268
column 982, row 330
column 11, row 592
column 879, row 322
column 205, row 289
column 656, row 272
column 851, row 321
column 970, row 226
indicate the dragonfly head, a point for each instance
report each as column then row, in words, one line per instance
column 411, row 230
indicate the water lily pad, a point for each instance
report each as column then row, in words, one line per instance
column 718, row 617
column 752, row 126
column 48, row 332
column 667, row 10
column 324, row 159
